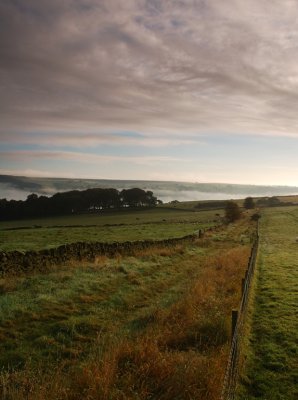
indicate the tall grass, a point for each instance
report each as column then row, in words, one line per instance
column 176, row 350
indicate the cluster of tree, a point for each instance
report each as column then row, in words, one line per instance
column 273, row 202
column 233, row 211
column 269, row 202
column 76, row 201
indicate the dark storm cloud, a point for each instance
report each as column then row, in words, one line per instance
column 149, row 66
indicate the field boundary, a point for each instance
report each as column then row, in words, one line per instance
column 16, row 262
column 238, row 318
column 22, row 228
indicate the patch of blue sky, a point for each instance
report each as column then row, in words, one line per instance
column 20, row 147
column 117, row 150
column 249, row 139
column 127, row 134
column 252, row 145
column 232, row 148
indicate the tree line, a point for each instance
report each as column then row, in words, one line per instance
column 76, row 201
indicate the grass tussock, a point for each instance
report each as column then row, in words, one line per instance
column 7, row 285
column 160, row 251
column 129, row 370
column 142, row 370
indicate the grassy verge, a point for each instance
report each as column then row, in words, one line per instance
column 271, row 354
column 155, row 325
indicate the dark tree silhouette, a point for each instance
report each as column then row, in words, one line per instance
column 249, row 203
column 232, row 211
column 75, row 201
column 137, row 198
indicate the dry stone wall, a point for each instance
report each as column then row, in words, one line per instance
column 16, row 262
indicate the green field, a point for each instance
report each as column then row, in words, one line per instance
column 158, row 214
column 271, row 367
column 155, row 325
column 109, row 227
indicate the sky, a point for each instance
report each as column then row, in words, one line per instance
column 180, row 90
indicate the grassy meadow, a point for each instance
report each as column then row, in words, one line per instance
column 124, row 216
column 155, row 325
column 122, row 226
column 271, row 351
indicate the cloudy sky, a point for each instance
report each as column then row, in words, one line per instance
column 189, row 90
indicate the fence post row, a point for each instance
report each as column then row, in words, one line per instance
column 231, row 374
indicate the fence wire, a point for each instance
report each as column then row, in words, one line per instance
column 231, row 375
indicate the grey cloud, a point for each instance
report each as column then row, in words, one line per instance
column 149, row 66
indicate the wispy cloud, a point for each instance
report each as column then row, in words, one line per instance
column 85, row 157
column 83, row 139
column 140, row 86
column 187, row 66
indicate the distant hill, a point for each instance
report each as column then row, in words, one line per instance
column 18, row 187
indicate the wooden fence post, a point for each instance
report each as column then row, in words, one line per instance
column 234, row 321
column 246, row 274
column 243, row 286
